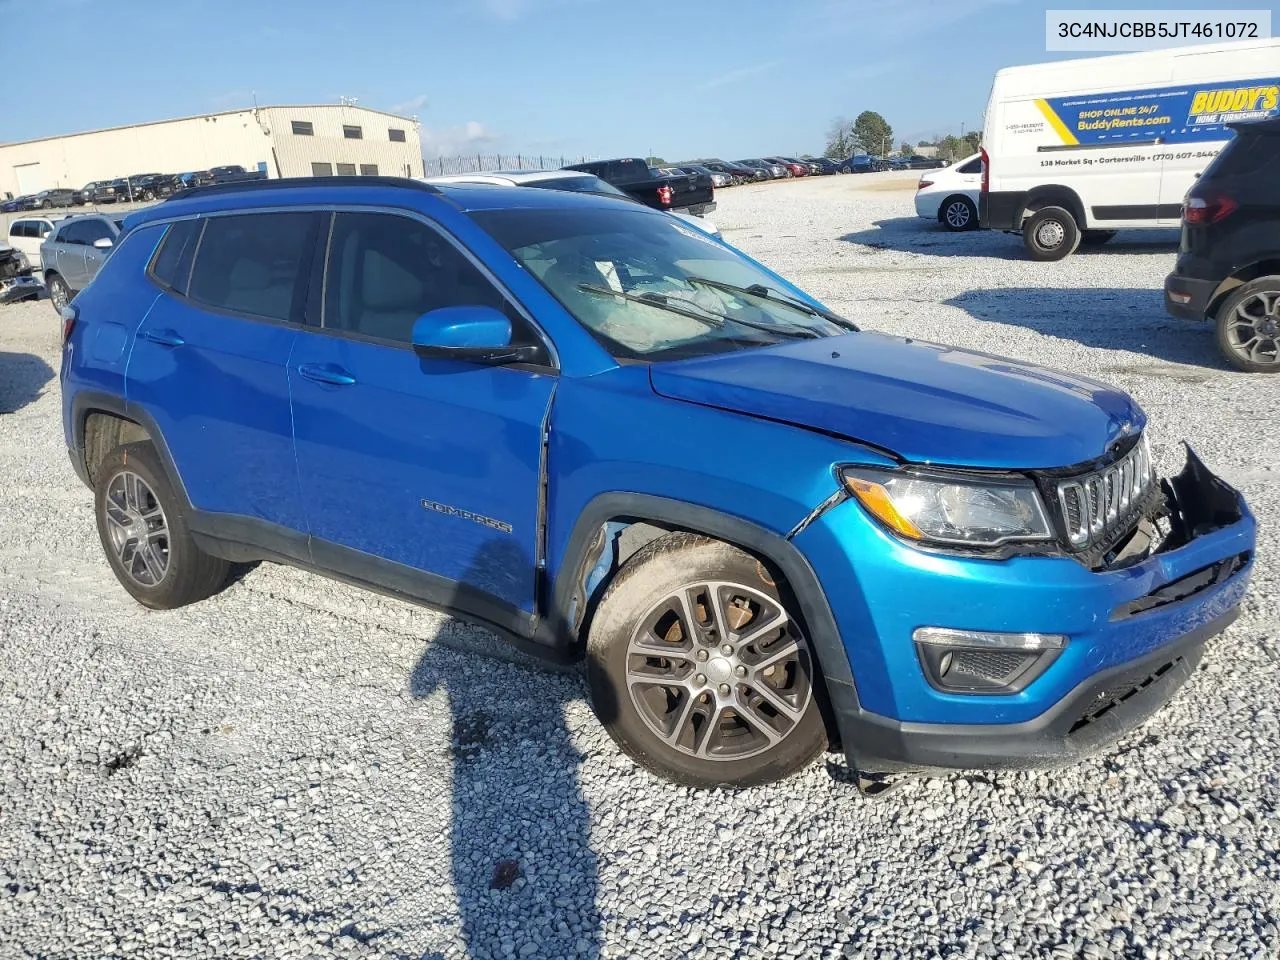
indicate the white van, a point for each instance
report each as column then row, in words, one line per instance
column 1076, row 149
column 27, row 233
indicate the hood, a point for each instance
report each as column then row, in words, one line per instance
column 925, row 402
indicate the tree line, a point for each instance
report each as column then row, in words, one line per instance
column 871, row 133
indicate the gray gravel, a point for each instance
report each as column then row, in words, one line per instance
column 296, row 768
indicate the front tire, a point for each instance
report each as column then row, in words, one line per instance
column 699, row 667
column 1248, row 326
column 143, row 527
column 958, row 214
column 1050, row 234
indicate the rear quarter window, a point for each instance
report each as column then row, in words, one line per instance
column 1244, row 154
column 172, row 264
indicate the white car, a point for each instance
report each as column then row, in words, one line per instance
column 950, row 194
column 574, row 181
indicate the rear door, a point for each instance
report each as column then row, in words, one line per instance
column 209, row 365
column 433, row 465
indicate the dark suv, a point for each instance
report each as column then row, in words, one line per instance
column 515, row 402
column 1228, row 268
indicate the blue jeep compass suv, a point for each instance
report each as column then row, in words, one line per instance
column 606, row 434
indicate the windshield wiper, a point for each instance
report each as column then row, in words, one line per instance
column 761, row 292
column 717, row 320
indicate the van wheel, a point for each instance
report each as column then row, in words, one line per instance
column 1249, row 326
column 143, row 528
column 958, row 213
column 699, row 667
column 1050, row 234
column 1096, row 238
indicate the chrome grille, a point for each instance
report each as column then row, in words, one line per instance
column 1095, row 505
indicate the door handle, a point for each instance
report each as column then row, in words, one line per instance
column 326, row 373
column 166, row 338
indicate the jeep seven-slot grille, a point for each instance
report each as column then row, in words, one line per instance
column 1097, row 505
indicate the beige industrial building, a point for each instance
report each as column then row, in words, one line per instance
column 320, row 140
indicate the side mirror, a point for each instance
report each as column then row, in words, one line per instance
column 103, row 243
column 475, row 334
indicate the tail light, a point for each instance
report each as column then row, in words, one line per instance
column 666, row 194
column 70, row 314
column 924, row 183
column 986, row 171
column 1209, row 208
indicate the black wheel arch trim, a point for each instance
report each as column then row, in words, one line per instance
column 770, row 546
column 95, row 401
column 1053, row 195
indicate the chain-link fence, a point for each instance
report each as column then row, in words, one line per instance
column 481, row 162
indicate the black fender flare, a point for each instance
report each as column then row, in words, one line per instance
column 769, row 546
column 87, row 402
column 1052, row 194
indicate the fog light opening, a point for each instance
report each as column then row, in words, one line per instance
column 975, row 661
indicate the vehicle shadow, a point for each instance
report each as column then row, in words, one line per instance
column 524, row 872
column 917, row 235
column 22, row 380
column 1108, row 318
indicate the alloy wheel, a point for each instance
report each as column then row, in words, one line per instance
column 138, row 529
column 958, row 214
column 1253, row 329
column 719, row 671
column 58, row 294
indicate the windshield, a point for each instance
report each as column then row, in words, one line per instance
column 649, row 287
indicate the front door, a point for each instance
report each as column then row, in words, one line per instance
column 432, row 465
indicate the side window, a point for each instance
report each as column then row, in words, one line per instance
column 253, row 263
column 973, row 166
column 20, row 229
column 72, row 233
column 90, row 231
column 45, row 228
column 385, row 271
column 172, row 265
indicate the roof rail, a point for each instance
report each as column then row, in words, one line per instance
column 285, row 183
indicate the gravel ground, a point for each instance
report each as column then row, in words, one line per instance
column 296, row 768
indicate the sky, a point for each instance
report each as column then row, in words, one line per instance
column 572, row 78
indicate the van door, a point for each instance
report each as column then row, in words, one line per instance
column 1216, row 87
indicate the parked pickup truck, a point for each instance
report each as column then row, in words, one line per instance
column 690, row 192
column 234, row 172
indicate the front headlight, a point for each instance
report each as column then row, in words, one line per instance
column 951, row 509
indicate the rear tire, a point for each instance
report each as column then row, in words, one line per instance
column 143, row 527
column 1050, row 234
column 1248, row 326
column 699, row 667
column 958, row 214
column 1096, row 238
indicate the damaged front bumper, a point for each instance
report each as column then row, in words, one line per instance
column 1132, row 634
column 15, row 289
